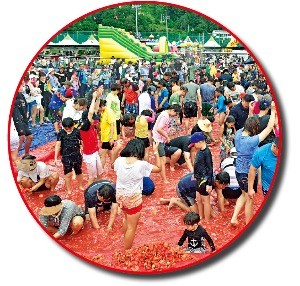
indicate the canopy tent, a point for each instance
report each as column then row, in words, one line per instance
column 91, row 41
column 211, row 43
column 67, row 41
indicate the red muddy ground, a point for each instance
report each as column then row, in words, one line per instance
column 157, row 225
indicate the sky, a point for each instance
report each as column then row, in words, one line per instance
column 263, row 255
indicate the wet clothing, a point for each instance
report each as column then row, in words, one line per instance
column 196, row 239
column 203, row 167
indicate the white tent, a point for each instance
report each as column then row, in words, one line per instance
column 52, row 44
column 211, row 43
column 91, row 41
column 67, row 41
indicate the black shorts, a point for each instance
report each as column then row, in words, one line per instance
column 190, row 109
column 145, row 140
column 22, row 128
column 170, row 150
column 72, row 162
column 231, row 193
column 107, row 146
column 118, row 125
column 242, row 179
column 201, row 184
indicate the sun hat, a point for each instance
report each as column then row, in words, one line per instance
column 52, row 205
column 205, row 125
column 195, row 138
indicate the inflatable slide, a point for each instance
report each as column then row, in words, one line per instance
column 120, row 44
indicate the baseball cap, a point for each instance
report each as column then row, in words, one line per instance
column 195, row 138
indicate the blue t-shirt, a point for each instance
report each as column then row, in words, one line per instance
column 245, row 147
column 163, row 94
column 265, row 158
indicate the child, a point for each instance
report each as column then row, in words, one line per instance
column 195, row 234
column 69, row 145
column 220, row 105
column 141, row 129
column 130, row 169
column 226, row 136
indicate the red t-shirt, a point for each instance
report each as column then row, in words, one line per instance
column 131, row 96
column 90, row 141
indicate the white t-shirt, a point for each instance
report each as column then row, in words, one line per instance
column 144, row 101
column 228, row 166
column 41, row 169
column 130, row 176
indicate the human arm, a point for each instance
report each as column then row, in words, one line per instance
column 187, row 158
column 262, row 135
column 251, row 178
column 113, row 215
column 56, row 151
column 210, row 241
column 117, row 148
column 93, row 217
column 209, row 168
column 182, row 238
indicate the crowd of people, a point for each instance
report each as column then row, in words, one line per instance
column 122, row 113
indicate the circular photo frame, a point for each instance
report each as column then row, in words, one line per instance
column 145, row 152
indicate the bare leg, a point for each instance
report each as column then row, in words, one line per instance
column 76, row 224
column 132, row 221
column 238, row 206
column 103, row 157
column 79, row 180
column 52, row 181
column 178, row 202
column 248, row 208
column 27, row 144
column 174, row 158
column 163, row 170
column 68, row 180
column 221, row 200
column 200, row 205
column 207, row 207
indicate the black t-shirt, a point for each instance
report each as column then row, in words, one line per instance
column 70, row 143
column 203, row 167
column 240, row 115
column 91, row 198
column 263, row 123
column 181, row 142
column 196, row 238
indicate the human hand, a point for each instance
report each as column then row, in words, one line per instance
column 208, row 189
column 155, row 146
column 251, row 193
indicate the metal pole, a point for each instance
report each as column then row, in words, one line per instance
column 136, row 20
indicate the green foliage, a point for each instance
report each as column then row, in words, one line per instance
column 150, row 19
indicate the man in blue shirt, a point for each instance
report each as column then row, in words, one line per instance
column 266, row 158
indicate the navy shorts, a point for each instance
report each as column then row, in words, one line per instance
column 242, row 179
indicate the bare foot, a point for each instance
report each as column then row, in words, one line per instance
column 69, row 192
column 234, row 222
column 172, row 203
column 163, row 201
column 172, row 169
column 166, row 182
column 81, row 188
